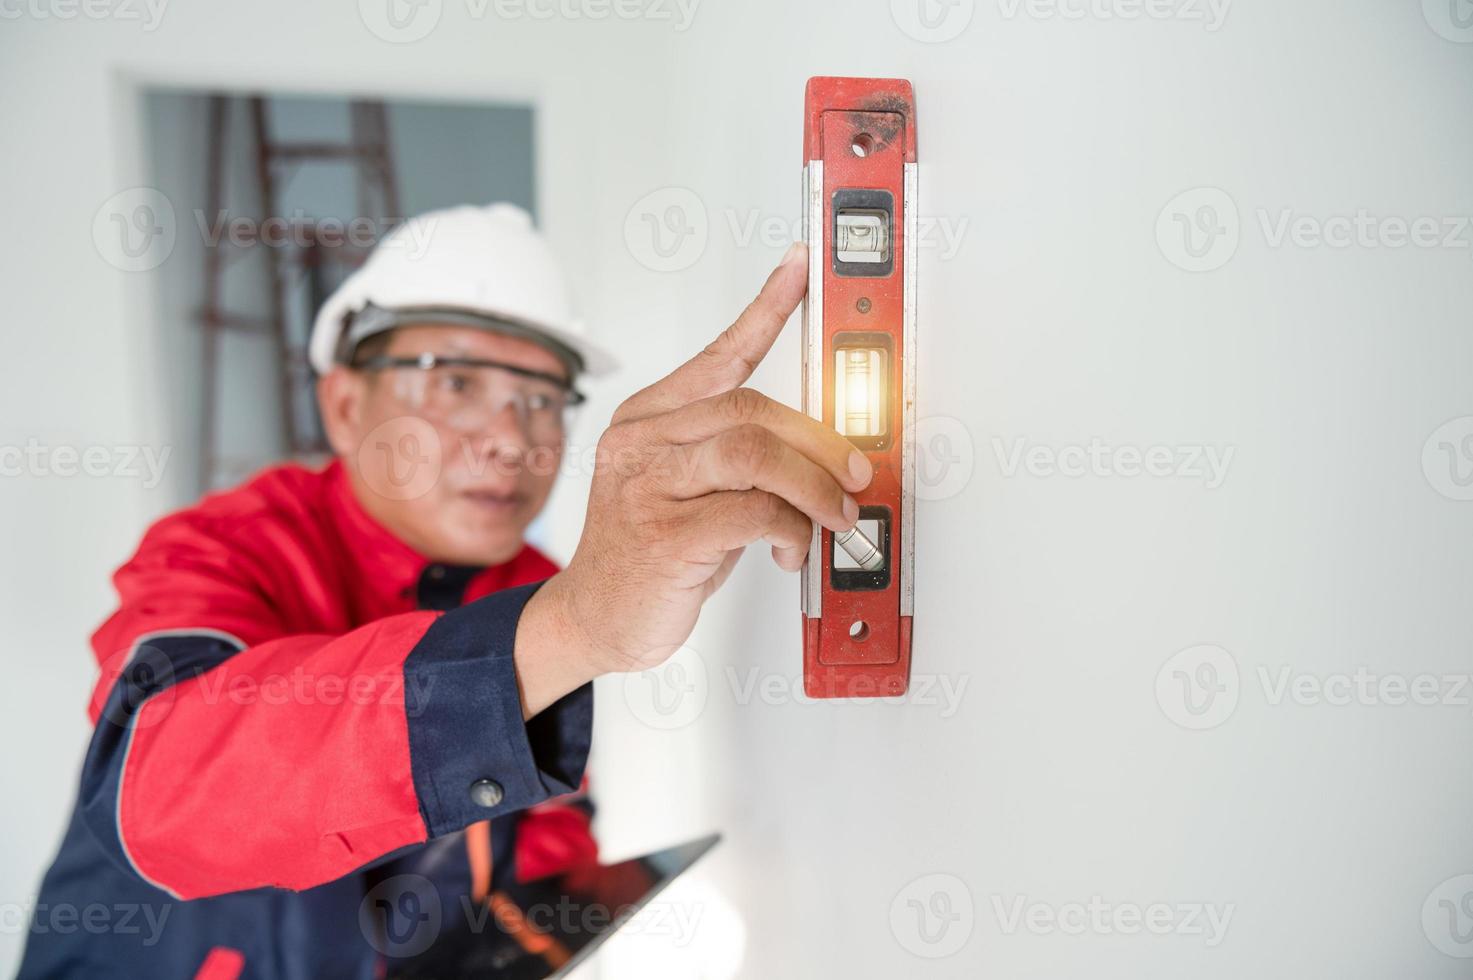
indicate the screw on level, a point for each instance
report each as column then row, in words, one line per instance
column 863, row 304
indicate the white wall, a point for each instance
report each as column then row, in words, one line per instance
column 1060, row 775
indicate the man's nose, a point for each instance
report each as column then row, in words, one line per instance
column 504, row 436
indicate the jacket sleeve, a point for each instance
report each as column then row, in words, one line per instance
column 227, row 756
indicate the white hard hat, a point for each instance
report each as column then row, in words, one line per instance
column 483, row 266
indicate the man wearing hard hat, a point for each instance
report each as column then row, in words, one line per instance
column 329, row 677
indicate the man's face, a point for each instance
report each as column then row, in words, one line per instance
column 456, row 462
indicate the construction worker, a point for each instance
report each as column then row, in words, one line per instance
column 328, row 677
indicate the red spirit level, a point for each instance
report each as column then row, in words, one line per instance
column 859, row 347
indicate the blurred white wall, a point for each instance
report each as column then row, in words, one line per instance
column 1039, row 774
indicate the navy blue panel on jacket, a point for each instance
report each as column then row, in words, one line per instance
column 96, row 917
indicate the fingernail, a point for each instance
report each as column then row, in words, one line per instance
column 851, row 510
column 860, row 468
column 795, row 251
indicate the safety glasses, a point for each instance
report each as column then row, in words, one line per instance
column 466, row 394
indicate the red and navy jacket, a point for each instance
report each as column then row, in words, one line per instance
column 294, row 707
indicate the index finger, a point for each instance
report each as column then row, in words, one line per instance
column 731, row 358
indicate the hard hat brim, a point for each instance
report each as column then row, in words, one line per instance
column 338, row 312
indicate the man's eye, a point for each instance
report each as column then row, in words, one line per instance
column 539, row 402
column 454, row 382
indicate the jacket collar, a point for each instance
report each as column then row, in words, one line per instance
column 381, row 559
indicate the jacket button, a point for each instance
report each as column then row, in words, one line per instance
column 486, row 793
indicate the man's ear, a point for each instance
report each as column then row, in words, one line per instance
column 340, row 398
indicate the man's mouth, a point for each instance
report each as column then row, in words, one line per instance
column 495, row 499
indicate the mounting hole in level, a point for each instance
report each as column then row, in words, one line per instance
column 863, row 145
column 859, row 630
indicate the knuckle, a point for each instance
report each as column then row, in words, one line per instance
column 716, row 349
column 749, row 448
column 634, row 406
column 834, row 446
column 614, row 439
column 743, row 404
column 618, row 449
column 624, row 412
column 764, row 509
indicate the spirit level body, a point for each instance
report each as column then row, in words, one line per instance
column 859, row 326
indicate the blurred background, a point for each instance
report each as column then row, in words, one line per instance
column 1192, row 669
